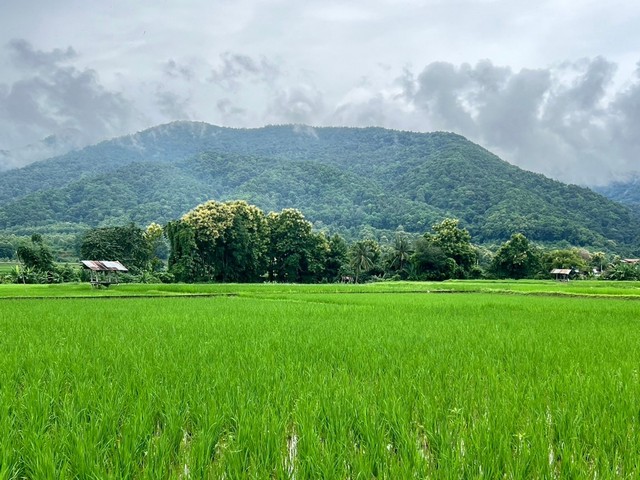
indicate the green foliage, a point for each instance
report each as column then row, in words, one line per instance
column 158, row 246
column 36, row 256
column 7, row 250
column 336, row 258
column 429, row 262
column 364, row 256
column 344, row 179
column 296, row 253
column 231, row 241
column 516, row 258
column 399, row 255
column 126, row 244
column 455, row 244
column 563, row 258
column 623, row 271
column 184, row 263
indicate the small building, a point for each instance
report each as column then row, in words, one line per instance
column 104, row 272
column 631, row 261
column 562, row 274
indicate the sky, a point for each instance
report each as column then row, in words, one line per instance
column 550, row 86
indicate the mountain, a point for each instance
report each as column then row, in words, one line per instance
column 627, row 193
column 343, row 179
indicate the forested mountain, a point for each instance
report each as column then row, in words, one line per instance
column 345, row 179
column 627, row 193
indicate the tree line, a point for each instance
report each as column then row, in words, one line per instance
column 237, row 242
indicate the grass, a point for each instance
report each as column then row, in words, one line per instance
column 315, row 382
column 523, row 287
column 6, row 267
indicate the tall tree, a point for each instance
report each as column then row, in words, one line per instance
column 363, row 256
column 599, row 260
column 36, row 255
column 400, row 253
column 231, row 241
column 296, row 254
column 126, row 244
column 563, row 258
column 455, row 243
column 429, row 262
column 516, row 258
column 337, row 257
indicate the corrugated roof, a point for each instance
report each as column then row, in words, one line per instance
column 561, row 271
column 104, row 266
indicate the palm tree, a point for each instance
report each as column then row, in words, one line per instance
column 401, row 252
column 361, row 257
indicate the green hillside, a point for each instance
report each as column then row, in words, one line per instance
column 344, row 179
column 627, row 193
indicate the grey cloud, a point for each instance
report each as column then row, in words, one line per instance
column 227, row 109
column 173, row 105
column 235, row 68
column 298, row 104
column 440, row 91
column 374, row 110
column 560, row 121
column 59, row 98
column 510, row 115
column 24, row 55
column 173, row 69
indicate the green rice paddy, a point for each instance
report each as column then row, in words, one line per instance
column 387, row 380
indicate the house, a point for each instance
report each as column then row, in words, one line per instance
column 562, row 274
column 104, row 272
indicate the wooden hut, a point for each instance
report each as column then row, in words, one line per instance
column 562, row 274
column 104, row 272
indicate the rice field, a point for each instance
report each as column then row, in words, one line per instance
column 345, row 382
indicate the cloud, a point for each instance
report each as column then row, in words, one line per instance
column 50, row 96
column 173, row 69
column 564, row 121
column 24, row 55
column 235, row 68
column 172, row 105
column 297, row 104
column 576, row 121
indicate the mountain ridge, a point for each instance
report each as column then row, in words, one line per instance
column 344, row 179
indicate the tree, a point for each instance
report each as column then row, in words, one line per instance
column 218, row 241
column 623, row 271
column 36, row 256
column 184, row 262
column 598, row 260
column 429, row 262
column 516, row 258
column 296, row 254
column 126, row 244
column 400, row 253
column 336, row 258
column 455, row 243
column 563, row 258
column 7, row 250
column 363, row 256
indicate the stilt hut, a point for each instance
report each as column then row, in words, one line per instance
column 104, row 272
column 562, row 274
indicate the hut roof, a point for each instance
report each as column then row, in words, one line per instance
column 561, row 271
column 104, row 266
